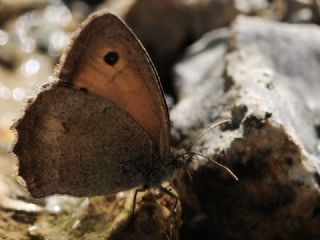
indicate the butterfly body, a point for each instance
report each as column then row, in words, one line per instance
column 103, row 127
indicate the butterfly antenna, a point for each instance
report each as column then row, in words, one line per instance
column 189, row 175
column 214, row 125
column 218, row 164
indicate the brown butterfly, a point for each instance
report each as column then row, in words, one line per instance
column 103, row 127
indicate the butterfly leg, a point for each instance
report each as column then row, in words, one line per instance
column 143, row 189
column 168, row 192
column 171, row 194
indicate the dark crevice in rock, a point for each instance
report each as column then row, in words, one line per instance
column 317, row 178
column 237, row 114
column 317, row 129
column 228, row 81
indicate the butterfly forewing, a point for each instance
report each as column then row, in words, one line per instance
column 106, row 58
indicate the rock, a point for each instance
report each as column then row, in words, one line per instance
column 269, row 85
column 268, row 9
column 298, row 11
column 191, row 71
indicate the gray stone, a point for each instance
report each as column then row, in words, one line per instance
column 269, row 84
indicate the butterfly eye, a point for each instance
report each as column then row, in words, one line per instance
column 111, row 58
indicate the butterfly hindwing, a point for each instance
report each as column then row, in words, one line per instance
column 81, row 144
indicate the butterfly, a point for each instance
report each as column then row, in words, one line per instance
column 103, row 126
